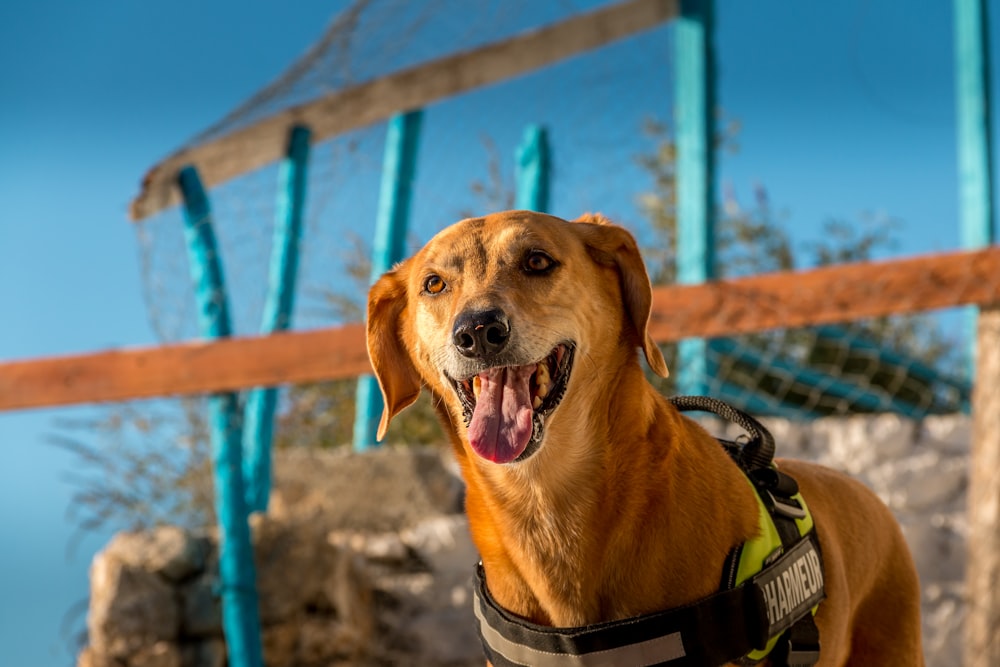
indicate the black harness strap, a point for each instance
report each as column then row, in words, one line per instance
column 712, row 631
column 715, row 630
column 800, row 646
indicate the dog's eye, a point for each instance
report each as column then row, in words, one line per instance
column 434, row 284
column 537, row 261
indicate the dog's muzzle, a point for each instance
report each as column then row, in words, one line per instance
column 505, row 406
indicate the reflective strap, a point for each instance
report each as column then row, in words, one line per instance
column 715, row 630
column 712, row 631
column 651, row 652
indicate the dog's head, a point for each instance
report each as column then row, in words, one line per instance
column 497, row 314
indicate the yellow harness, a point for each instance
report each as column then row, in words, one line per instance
column 754, row 555
column 771, row 588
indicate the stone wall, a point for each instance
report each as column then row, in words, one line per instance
column 920, row 470
column 366, row 560
column 362, row 560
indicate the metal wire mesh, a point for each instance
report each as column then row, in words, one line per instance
column 608, row 115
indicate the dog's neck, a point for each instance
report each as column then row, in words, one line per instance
column 596, row 527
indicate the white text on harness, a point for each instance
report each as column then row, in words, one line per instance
column 794, row 585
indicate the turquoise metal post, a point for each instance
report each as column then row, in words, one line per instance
column 533, row 170
column 694, row 111
column 240, row 620
column 975, row 165
column 261, row 402
column 398, row 172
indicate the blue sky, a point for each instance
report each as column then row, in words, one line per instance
column 845, row 108
column 93, row 94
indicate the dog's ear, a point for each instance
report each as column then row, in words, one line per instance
column 397, row 376
column 611, row 245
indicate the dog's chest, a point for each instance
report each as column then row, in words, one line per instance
column 551, row 552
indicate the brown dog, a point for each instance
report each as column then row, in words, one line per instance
column 590, row 498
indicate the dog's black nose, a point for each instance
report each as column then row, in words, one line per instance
column 481, row 334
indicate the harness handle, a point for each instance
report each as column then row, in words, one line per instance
column 759, row 452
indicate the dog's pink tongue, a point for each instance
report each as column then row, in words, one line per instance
column 501, row 424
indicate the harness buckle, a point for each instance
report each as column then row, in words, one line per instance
column 784, row 506
column 802, row 651
column 801, row 645
column 802, row 657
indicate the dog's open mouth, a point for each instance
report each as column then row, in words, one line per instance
column 505, row 407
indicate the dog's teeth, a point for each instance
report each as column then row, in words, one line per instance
column 537, row 403
column 542, row 374
column 543, row 390
column 477, row 386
